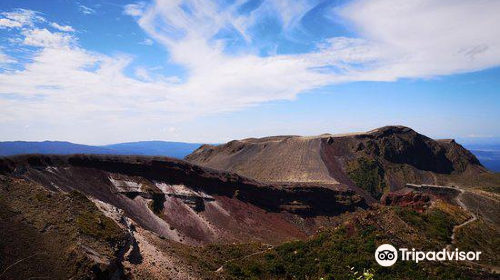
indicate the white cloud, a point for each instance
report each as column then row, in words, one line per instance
column 147, row 42
column 135, row 9
column 143, row 74
column 290, row 14
column 66, row 86
column 65, row 28
column 424, row 38
column 7, row 23
column 86, row 10
column 44, row 38
column 19, row 18
column 4, row 59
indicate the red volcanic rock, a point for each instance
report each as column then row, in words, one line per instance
column 414, row 199
column 188, row 203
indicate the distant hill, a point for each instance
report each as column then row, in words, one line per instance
column 145, row 148
column 488, row 154
column 49, row 147
column 155, row 148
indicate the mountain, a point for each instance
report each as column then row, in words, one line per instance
column 371, row 163
column 48, row 147
column 321, row 207
column 147, row 148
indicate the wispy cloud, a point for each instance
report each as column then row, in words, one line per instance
column 5, row 59
column 66, row 84
column 19, row 18
column 86, row 10
column 147, row 42
column 428, row 38
column 65, row 28
column 135, row 9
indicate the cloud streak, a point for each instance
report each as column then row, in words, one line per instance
column 65, row 28
column 64, row 83
column 429, row 38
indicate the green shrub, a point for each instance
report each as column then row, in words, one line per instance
column 434, row 223
column 367, row 174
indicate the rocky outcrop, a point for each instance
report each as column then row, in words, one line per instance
column 402, row 145
column 416, row 200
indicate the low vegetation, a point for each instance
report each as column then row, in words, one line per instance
column 367, row 274
column 336, row 253
column 481, row 236
column 367, row 174
column 51, row 232
column 435, row 224
column 91, row 222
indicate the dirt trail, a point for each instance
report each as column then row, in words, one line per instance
column 473, row 218
column 457, row 227
column 221, row 268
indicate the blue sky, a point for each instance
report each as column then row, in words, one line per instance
column 101, row 72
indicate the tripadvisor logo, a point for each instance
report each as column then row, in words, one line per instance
column 387, row 255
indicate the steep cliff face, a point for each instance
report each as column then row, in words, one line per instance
column 100, row 212
column 402, row 145
column 416, row 200
column 188, row 203
column 369, row 163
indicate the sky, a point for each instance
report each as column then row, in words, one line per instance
column 101, row 72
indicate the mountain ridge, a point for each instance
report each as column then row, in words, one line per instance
column 377, row 161
column 146, row 148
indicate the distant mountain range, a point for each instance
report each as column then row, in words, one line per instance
column 145, row 148
column 488, row 155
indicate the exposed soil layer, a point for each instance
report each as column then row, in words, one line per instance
column 188, row 203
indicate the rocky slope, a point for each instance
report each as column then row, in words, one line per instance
column 55, row 235
column 127, row 217
column 99, row 211
column 108, row 217
column 371, row 163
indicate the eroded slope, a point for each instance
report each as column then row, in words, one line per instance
column 370, row 163
column 187, row 203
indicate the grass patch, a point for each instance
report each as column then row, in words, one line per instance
column 330, row 256
column 327, row 255
column 335, row 253
column 367, row 174
column 481, row 236
column 93, row 223
column 435, row 224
